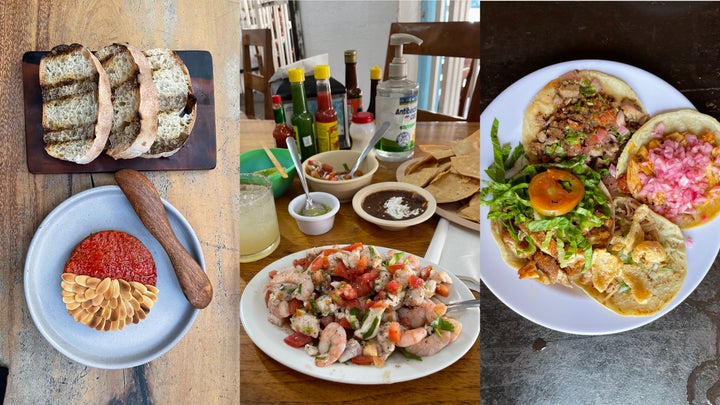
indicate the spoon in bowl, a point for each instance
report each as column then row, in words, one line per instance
column 378, row 134
column 311, row 208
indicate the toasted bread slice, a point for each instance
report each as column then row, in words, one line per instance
column 77, row 108
column 134, row 100
column 177, row 103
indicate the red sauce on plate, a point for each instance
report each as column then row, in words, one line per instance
column 113, row 254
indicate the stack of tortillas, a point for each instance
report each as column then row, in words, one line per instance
column 451, row 173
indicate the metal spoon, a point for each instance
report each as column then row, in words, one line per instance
column 378, row 134
column 463, row 304
column 311, row 208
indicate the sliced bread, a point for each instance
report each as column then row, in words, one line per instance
column 134, row 100
column 177, row 104
column 77, row 109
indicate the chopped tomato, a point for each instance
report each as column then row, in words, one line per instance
column 393, row 287
column 272, row 273
column 367, row 279
column 356, row 245
column 344, row 323
column 328, row 252
column 442, row 290
column 425, row 272
column 318, row 263
column 294, row 304
column 555, row 192
column 395, row 267
column 362, row 264
column 415, row 281
column 298, row 340
column 394, row 332
column 362, row 360
column 341, row 270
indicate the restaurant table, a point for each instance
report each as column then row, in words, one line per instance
column 263, row 380
column 674, row 359
column 203, row 366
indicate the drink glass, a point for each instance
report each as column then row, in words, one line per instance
column 259, row 231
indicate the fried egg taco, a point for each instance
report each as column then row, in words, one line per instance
column 582, row 112
column 546, row 218
column 643, row 267
column 672, row 164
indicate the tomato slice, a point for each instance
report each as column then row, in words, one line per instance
column 555, row 192
column 298, row 339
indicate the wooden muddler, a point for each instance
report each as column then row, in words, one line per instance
column 146, row 202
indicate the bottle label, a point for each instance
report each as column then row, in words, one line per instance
column 327, row 136
column 401, row 112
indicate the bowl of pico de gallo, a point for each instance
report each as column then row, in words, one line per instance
column 328, row 172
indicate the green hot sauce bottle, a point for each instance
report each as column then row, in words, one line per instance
column 302, row 121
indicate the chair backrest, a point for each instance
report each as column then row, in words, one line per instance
column 252, row 41
column 458, row 39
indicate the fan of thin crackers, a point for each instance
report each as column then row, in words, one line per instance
column 451, row 173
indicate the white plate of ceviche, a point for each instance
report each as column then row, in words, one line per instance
column 397, row 368
column 557, row 307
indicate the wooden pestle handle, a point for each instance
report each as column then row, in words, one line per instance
column 146, row 202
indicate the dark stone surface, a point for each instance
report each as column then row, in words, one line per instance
column 673, row 360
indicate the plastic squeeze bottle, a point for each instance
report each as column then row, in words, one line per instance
column 396, row 103
column 302, row 121
column 326, row 120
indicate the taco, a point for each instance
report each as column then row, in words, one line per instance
column 672, row 164
column 546, row 218
column 643, row 267
column 583, row 112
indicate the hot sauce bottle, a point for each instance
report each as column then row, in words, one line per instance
column 326, row 120
column 354, row 93
column 282, row 130
column 302, row 121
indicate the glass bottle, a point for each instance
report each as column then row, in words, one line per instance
column 282, row 130
column 326, row 120
column 375, row 75
column 302, row 121
column 354, row 93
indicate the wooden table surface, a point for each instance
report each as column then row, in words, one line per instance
column 675, row 359
column 263, row 380
column 203, row 366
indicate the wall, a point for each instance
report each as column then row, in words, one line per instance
column 332, row 27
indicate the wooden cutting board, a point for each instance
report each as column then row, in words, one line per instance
column 199, row 152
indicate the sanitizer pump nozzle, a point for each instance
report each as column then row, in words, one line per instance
column 398, row 66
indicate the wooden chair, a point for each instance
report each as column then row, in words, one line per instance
column 452, row 39
column 252, row 40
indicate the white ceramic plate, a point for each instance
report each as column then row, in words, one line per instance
column 98, row 209
column 269, row 338
column 556, row 307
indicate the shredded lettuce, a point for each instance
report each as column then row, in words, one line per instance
column 509, row 203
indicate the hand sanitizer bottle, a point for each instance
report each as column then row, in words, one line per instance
column 396, row 102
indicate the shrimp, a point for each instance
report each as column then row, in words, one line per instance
column 403, row 337
column 440, row 276
column 283, row 287
column 291, row 283
column 422, row 314
column 414, row 297
column 435, row 342
column 352, row 349
column 331, row 346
